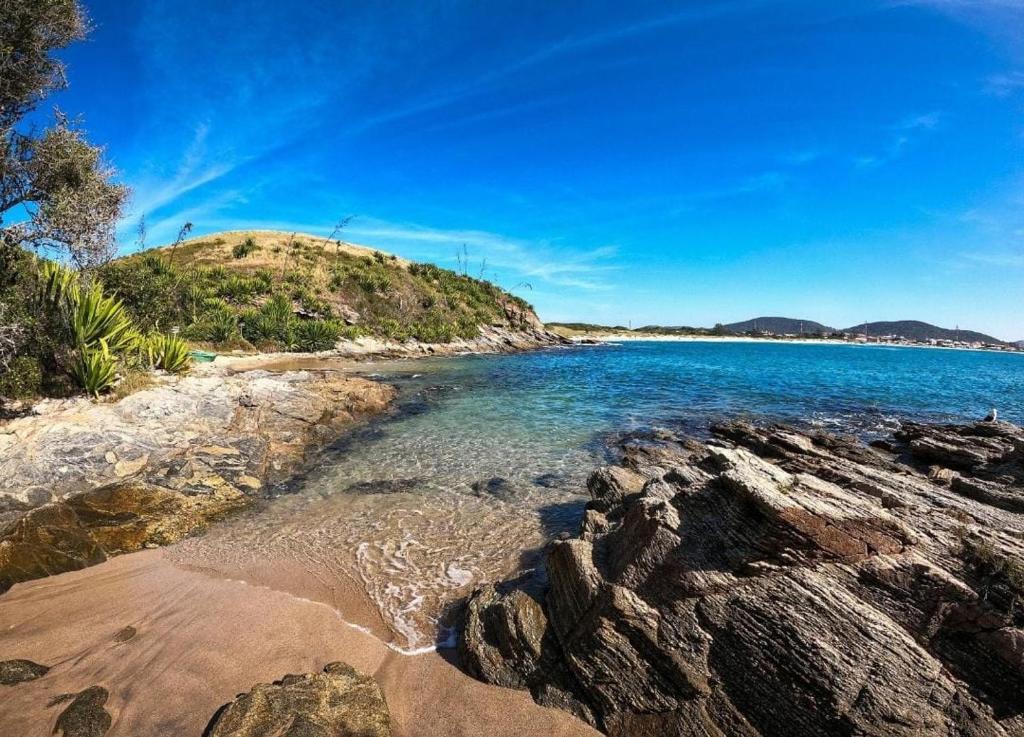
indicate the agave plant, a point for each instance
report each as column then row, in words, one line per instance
column 96, row 317
column 58, row 285
column 317, row 335
column 278, row 307
column 95, row 369
column 167, row 352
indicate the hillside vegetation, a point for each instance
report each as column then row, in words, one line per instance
column 779, row 326
column 917, row 330
column 279, row 291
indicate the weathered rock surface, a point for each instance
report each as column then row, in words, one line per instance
column 776, row 582
column 13, row 672
column 85, row 715
column 339, row 702
column 86, row 481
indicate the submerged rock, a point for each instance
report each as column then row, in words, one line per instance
column 13, row 672
column 776, row 582
column 338, row 702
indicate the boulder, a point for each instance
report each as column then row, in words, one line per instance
column 18, row 671
column 85, row 715
column 87, row 528
column 612, row 484
column 337, row 702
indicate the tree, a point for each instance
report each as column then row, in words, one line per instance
column 56, row 192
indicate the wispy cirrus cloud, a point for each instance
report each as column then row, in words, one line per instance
column 1004, row 85
column 901, row 134
column 525, row 259
column 999, row 259
column 554, row 52
column 503, row 258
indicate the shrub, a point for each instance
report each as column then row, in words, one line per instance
column 238, row 289
column 58, row 284
column 96, row 318
column 244, row 248
column 166, row 352
column 278, row 307
column 296, row 279
column 216, row 326
column 392, row 329
column 95, row 370
column 372, row 281
column 339, row 277
column 433, row 329
column 274, row 322
column 152, row 289
column 315, row 305
column 262, row 281
column 23, row 378
column 317, row 335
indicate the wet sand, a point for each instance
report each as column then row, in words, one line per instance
column 200, row 640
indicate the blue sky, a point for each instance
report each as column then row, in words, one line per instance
column 680, row 163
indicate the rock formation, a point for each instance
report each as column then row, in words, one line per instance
column 777, row 582
column 339, row 702
column 85, row 716
column 84, row 481
column 13, row 672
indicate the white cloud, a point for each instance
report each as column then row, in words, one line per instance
column 1004, row 85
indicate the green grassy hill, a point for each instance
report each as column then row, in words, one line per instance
column 281, row 291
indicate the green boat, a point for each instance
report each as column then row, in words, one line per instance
column 202, row 356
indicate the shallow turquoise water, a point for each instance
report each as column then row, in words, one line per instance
column 488, row 455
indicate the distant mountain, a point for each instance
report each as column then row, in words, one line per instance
column 779, row 326
column 917, row 330
column 1018, row 343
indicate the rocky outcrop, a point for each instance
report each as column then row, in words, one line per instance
column 82, row 481
column 530, row 335
column 87, row 528
column 13, row 672
column 338, row 702
column 85, row 716
column 776, row 582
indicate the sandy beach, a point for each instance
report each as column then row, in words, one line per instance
column 199, row 641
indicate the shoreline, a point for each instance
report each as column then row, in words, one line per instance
column 147, row 590
column 197, row 641
column 583, row 340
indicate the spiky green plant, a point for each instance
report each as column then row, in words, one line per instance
column 317, row 335
column 278, row 307
column 167, row 352
column 58, row 285
column 96, row 317
column 95, row 369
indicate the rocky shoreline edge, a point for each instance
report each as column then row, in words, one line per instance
column 88, row 481
column 81, row 481
column 771, row 581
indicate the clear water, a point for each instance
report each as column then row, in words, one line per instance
column 487, row 456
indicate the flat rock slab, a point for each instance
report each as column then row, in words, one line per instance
column 84, row 481
column 338, row 702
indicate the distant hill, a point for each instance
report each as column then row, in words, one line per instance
column 917, row 330
column 779, row 326
column 1018, row 343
